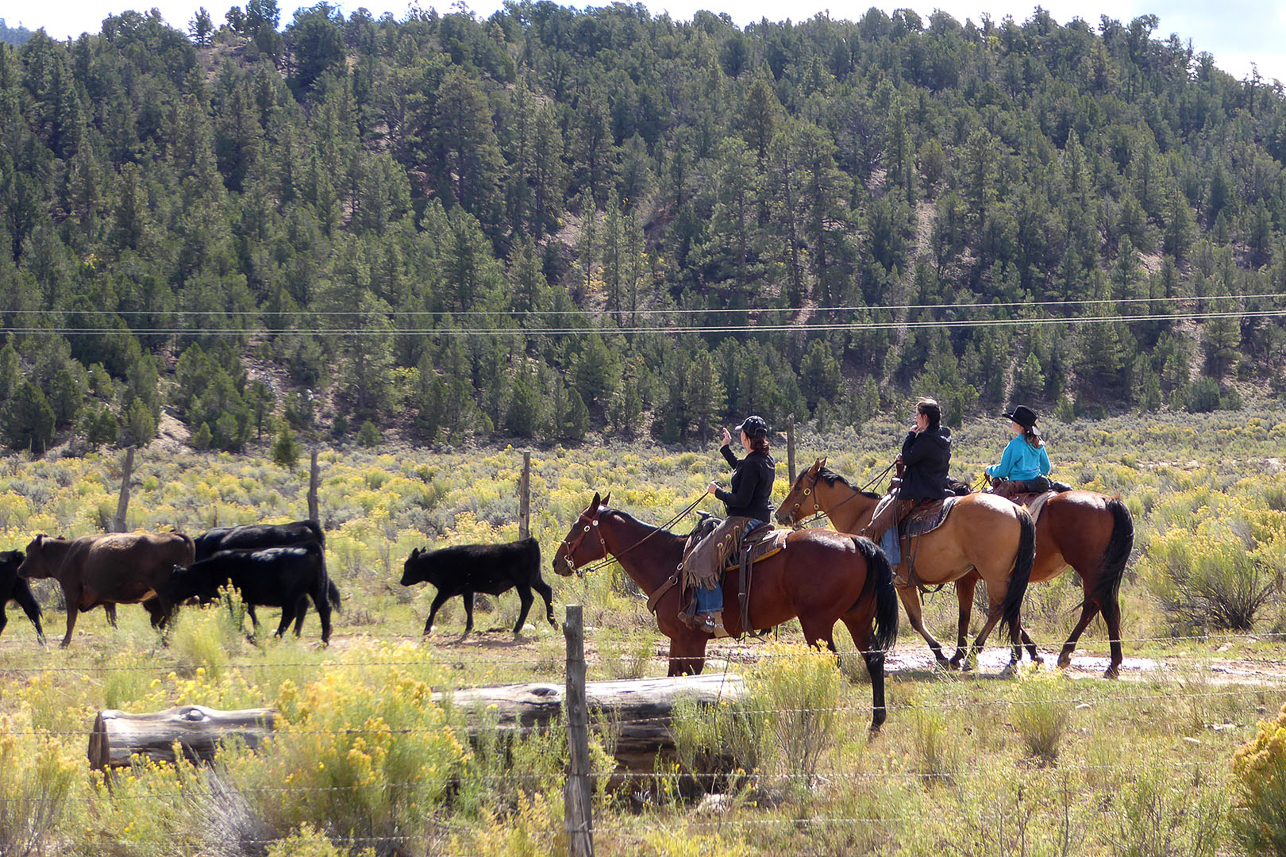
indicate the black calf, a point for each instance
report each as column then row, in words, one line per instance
column 260, row 536
column 15, row 588
column 491, row 569
column 272, row 577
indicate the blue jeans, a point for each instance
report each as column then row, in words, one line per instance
column 711, row 600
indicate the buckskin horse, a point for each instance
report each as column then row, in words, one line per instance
column 820, row 576
column 983, row 534
column 1083, row 530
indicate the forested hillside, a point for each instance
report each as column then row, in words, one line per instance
column 552, row 222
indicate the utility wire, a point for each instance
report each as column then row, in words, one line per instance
column 707, row 330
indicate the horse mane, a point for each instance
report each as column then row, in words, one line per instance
column 631, row 519
column 832, row 477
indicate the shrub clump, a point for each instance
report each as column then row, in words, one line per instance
column 1260, row 767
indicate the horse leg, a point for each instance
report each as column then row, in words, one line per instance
column 911, row 601
column 1089, row 608
column 1112, row 616
column 687, row 655
column 1030, row 645
column 964, row 596
column 996, row 596
column 525, row 596
column 858, row 623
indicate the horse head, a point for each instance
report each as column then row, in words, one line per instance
column 801, row 501
column 573, row 553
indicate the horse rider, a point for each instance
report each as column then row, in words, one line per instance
column 748, row 509
column 926, row 458
column 1024, row 466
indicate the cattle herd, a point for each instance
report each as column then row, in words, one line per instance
column 272, row 565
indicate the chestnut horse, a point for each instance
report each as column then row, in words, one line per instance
column 1083, row 530
column 984, row 538
column 821, row 576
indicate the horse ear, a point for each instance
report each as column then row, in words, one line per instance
column 607, row 498
column 821, row 462
column 594, row 504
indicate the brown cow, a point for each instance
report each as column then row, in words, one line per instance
column 117, row 568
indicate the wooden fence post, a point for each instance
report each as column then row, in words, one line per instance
column 578, row 821
column 313, row 478
column 524, row 498
column 122, row 505
column 790, row 449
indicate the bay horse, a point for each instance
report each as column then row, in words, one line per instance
column 984, row 537
column 1084, row 530
column 821, row 577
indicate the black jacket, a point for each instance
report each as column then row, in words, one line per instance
column 751, row 484
column 927, row 457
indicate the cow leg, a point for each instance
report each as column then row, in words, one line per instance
column 468, row 614
column 110, row 610
column 301, row 610
column 287, row 616
column 543, row 590
column 4, row 620
column 323, row 613
column 438, row 601
column 254, row 620
column 27, row 601
column 157, row 611
column 525, row 596
column 71, row 623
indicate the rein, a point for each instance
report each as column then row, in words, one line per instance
column 875, row 480
column 609, row 558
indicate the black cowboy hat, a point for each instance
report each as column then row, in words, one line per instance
column 1022, row 415
column 753, row 426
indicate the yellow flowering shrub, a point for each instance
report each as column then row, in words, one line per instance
column 37, row 778
column 1260, row 767
column 363, row 756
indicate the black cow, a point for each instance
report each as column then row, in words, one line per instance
column 15, row 588
column 271, row 577
column 256, row 536
column 259, row 536
column 491, row 569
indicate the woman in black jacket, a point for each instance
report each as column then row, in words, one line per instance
column 747, row 507
column 926, row 457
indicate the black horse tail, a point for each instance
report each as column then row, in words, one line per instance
column 1115, row 555
column 1018, row 580
column 879, row 578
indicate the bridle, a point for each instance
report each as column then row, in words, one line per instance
column 572, row 544
column 608, row 558
column 811, row 491
column 807, row 492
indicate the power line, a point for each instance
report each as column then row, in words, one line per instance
column 703, row 330
column 676, row 311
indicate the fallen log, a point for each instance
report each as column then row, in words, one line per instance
column 118, row 736
column 633, row 717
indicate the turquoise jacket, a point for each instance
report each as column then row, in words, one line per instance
column 1021, row 461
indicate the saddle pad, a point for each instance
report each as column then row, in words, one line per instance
column 1034, row 502
column 771, row 542
column 927, row 517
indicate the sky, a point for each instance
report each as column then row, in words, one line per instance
column 1241, row 34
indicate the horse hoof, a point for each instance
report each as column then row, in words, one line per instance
column 1038, row 660
column 1010, row 670
column 1114, row 671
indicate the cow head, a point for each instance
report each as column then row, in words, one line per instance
column 186, row 582
column 35, row 566
column 414, row 571
column 11, row 561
